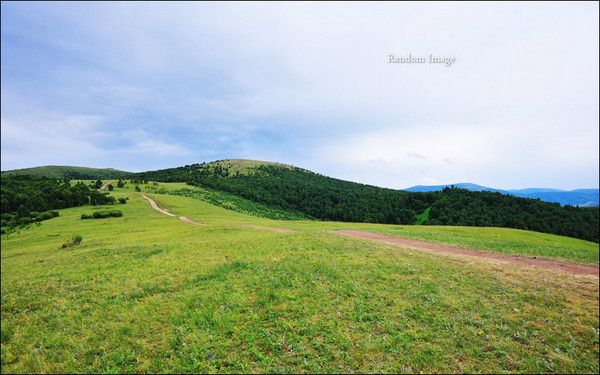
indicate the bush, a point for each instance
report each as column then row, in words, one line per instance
column 122, row 200
column 137, row 188
column 110, row 187
column 102, row 214
column 46, row 215
column 98, row 198
column 76, row 240
column 120, row 183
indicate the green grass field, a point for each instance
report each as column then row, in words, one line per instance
column 149, row 293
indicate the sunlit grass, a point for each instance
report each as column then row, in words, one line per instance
column 149, row 293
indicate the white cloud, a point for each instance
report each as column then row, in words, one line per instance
column 309, row 84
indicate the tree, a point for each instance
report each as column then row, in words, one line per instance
column 22, row 211
column 120, row 183
column 98, row 184
column 110, row 187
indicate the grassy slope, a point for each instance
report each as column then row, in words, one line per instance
column 148, row 293
column 502, row 240
column 244, row 166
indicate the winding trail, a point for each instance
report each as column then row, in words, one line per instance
column 155, row 206
column 192, row 222
column 186, row 220
column 558, row 265
column 166, row 212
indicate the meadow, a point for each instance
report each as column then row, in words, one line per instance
column 147, row 292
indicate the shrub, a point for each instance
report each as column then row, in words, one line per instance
column 46, row 215
column 137, row 188
column 122, row 200
column 76, row 240
column 97, row 198
column 110, row 187
column 102, row 214
column 120, row 183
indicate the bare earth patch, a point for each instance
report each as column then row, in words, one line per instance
column 570, row 267
column 186, row 220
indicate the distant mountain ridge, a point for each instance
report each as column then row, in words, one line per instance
column 286, row 187
column 70, row 172
column 578, row 197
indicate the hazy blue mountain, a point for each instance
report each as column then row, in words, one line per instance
column 534, row 190
column 578, row 197
column 462, row 185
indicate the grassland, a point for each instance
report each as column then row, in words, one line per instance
column 149, row 293
column 501, row 240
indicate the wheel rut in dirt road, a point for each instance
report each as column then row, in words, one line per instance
column 558, row 265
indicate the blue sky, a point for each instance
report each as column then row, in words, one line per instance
column 140, row 86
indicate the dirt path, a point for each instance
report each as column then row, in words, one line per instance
column 104, row 186
column 191, row 222
column 574, row 268
column 166, row 212
column 186, row 220
column 155, row 206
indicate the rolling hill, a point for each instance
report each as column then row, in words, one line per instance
column 578, row 197
column 325, row 198
column 302, row 193
column 73, row 173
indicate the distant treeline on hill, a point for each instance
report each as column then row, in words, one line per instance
column 332, row 199
column 71, row 173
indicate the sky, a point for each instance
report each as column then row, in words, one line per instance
column 144, row 86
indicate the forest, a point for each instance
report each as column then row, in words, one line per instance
column 327, row 198
column 26, row 199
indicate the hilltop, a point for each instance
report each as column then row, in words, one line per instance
column 70, row 172
column 302, row 193
column 290, row 188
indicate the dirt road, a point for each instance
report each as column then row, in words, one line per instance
column 166, row 212
column 186, row 220
column 155, row 206
column 191, row 222
column 574, row 268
